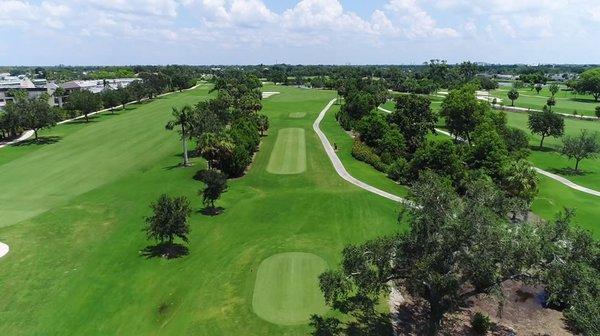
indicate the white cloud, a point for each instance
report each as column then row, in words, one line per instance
column 418, row 23
column 152, row 7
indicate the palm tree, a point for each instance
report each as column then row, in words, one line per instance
column 183, row 117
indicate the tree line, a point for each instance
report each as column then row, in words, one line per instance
column 226, row 132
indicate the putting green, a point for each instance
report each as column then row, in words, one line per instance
column 297, row 115
column 286, row 290
column 289, row 154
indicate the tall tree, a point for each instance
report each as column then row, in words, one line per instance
column 37, row 114
column 589, row 83
column 583, row 146
column 551, row 102
column 414, row 118
column 513, row 95
column 262, row 122
column 169, row 219
column 110, row 99
column 137, row 90
column 123, row 96
column 216, row 184
column 554, row 89
column 85, row 102
column 546, row 123
column 463, row 111
column 453, row 251
column 182, row 118
column 538, row 88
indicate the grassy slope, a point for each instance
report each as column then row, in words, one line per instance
column 566, row 102
column 75, row 268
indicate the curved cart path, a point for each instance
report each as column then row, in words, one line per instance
column 555, row 177
column 339, row 167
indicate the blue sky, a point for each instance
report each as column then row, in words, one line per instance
column 297, row 31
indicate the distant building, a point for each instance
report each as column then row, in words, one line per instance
column 96, row 86
column 34, row 88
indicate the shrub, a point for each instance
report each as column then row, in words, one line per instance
column 398, row 170
column 481, row 323
column 364, row 153
column 237, row 163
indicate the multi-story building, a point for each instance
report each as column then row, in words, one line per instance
column 34, row 88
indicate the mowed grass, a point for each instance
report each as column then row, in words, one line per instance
column 75, row 268
column 287, row 288
column 86, row 159
column 289, row 154
column 550, row 159
column 566, row 101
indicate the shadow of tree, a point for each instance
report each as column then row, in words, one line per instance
column 536, row 148
column 569, row 171
column 92, row 119
column 212, row 211
column 584, row 100
column 165, row 250
column 46, row 140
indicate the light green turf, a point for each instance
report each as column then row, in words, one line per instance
column 297, row 115
column 550, row 159
column 287, row 288
column 289, row 154
column 75, row 269
column 566, row 101
column 87, row 159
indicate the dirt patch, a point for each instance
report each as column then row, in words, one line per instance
column 519, row 312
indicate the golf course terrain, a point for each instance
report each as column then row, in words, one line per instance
column 73, row 213
column 566, row 101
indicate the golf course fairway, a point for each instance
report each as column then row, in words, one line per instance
column 75, row 226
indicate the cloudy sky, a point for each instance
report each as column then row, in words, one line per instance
column 291, row 31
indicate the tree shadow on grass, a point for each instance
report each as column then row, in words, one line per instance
column 46, row 140
column 584, row 100
column 165, row 250
column 212, row 211
column 536, row 148
column 569, row 171
column 82, row 121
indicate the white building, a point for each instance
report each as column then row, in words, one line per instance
column 97, row 86
column 34, row 88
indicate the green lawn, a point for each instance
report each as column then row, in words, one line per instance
column 289, row 154
column 73, row 215
column 286, row 290
column 550, row 159
column 566, row 102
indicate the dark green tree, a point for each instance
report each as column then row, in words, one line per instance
column 85, row 102
column 414, row 118
column 169, row 220
column 589, row 83
column 513, row 95
column 583, row 146
column 546, row 123
column 216, row 184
